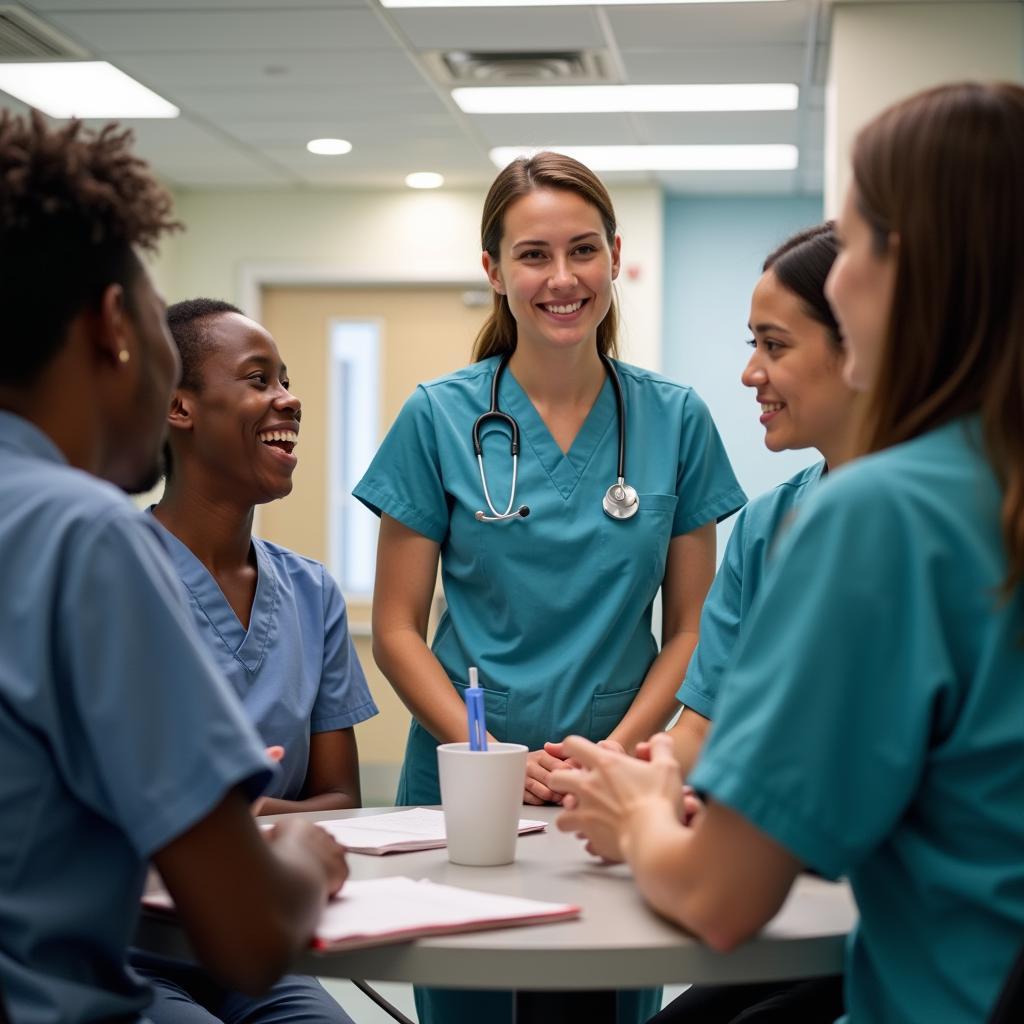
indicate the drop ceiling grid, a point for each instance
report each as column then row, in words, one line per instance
column 257, row 78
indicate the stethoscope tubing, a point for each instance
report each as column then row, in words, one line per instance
column 620, row 502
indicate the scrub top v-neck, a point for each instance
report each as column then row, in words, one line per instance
column 554, row 609
column 295, row 668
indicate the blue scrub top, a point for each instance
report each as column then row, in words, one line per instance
column 873, row 723
column 295, row 669
column 555, row 609
column 117, row 733
column 758, row 527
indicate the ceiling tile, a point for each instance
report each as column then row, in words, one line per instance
column 715, row 129
column 527, row 29
column 164, row 31
column 537, row 130
column 782, row 63
column 271, row 69
column 710, row 25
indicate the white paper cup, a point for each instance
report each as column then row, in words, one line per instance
column 482, row 796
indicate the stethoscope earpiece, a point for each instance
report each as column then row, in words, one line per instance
column 620, row 500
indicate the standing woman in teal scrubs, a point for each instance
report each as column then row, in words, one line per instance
column 554, row 607
column 871, row 723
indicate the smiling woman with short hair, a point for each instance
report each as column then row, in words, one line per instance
column 274, row 621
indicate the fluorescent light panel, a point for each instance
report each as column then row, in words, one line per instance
column 91, row 88
column 329, row 147
column 555, row 3
column 424, row 179
column 665, row 158
column 594, row 99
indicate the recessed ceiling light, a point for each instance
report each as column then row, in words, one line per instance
column 86, row 88
column 424, row 179
column 666, row 158
column 329, row 147
column 552, row 3
column 583, row 99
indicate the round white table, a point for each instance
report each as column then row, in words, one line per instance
column 617, row 942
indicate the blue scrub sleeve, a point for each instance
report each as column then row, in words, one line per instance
column 705, row 483
column 146, row 702
column 823, row 723
column 344, row 698
column 720, row 622
column 405, row 479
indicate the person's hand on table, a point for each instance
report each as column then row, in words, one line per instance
column 600, row 801
column 314, row 843
column 275, row 753
column 539, row 766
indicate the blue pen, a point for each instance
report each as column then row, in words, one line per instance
column 475, row 713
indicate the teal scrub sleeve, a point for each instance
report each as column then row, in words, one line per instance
column 823, row 723
column 145, row 700
column 344, row 698
column 405, row 479
column 720, row 622
column 705, row 483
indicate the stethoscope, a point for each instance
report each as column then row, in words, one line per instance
column 620, row 501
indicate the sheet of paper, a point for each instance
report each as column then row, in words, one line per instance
column 418, row 828
column 381, row 910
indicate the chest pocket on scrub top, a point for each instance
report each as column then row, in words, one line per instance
column 635, row 549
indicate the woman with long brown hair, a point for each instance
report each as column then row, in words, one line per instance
column 614, row 478
column 872, row 722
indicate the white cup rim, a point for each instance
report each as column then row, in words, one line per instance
column 493, row 748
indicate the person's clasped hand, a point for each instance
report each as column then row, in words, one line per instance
column 603, row 800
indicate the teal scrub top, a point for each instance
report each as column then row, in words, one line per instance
column 295, row 668
column 117, row 732
column 554, row 609
column 758, row 527
column 873, row 723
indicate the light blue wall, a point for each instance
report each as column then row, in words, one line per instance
column 714, row 248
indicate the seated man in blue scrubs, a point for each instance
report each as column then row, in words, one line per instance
column 273, row 621
column 120, row 742
column 871, row 723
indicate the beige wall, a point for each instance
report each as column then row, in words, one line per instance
column 883, row 52
column 236, row 238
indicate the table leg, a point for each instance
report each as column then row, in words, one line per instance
column 565, row 1007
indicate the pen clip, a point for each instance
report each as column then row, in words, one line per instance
column 475, row 713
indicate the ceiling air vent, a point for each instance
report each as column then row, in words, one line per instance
column 555, row 67
column 23, row 36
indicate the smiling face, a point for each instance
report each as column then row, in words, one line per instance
column 242, row 425
column 860, row 290
column 556, row 268
column 796, row 370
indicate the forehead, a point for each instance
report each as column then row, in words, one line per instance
column 230, row 339
column 773, row 302
column 549, row 213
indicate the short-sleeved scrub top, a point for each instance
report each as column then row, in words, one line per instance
column 873, row 723
column 758, row 527
column 554, row 608
column 295, row 669
column 117, row 733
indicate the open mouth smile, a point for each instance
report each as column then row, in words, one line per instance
column 563, row 310
column 281, row 442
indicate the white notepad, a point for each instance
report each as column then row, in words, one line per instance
column 379, row 911
column 383, row 910
column 418, row 828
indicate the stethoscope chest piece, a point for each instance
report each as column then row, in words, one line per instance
column 620, row 500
